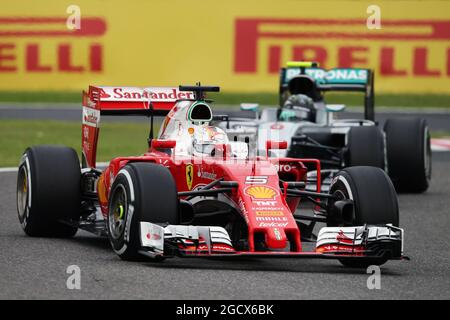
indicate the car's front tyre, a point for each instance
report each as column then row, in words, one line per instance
column 374, row 203
column 140, row 192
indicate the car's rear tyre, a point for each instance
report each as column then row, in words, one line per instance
column 366, row 147
column 140, row 192
column 48, row 191
column 408, row 154
column 374, row 199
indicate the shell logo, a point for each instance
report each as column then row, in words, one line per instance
column 261, row 192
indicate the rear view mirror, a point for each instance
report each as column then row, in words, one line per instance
column 250, row 106
column 163, row 144
column 335, row 107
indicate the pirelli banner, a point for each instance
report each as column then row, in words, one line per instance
column 239, row 45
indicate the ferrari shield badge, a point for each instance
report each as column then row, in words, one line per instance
column 189, row 175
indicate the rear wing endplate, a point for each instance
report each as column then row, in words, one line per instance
column 97, row 101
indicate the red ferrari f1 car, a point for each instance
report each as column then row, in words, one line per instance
column 195, row 193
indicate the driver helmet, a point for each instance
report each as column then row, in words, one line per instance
column 206, row 138
column 298, row 107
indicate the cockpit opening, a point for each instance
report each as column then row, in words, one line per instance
column 304, row 85
column 200, row 112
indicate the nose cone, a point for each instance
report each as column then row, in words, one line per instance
column 275, row 238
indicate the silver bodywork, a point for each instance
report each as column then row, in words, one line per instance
column 267, row 127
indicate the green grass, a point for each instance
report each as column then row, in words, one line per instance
column 116, row 139
column 40, row 96
column 440, row 134
column 263, row 98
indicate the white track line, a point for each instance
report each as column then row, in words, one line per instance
column 437, row 145
column 14, row 169
column 77, row 106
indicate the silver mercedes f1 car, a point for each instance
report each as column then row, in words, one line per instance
column 315, row 129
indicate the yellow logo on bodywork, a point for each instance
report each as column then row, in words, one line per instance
column 261, row 192
column 189, row 175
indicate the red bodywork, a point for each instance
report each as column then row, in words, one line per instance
column 261, row 201
column 263, row 206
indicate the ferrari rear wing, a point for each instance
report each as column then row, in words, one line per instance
column 132, row 100
column 337, row 79
column 97, row 101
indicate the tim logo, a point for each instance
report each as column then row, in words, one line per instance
column 307, row 39
column 23, row 41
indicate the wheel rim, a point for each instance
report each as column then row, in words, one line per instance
column 340, row 195
column 118, row 212
column 22, row 192
column 341, row 191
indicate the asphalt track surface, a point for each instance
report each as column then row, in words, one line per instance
column 438, row 119
column 35, row 268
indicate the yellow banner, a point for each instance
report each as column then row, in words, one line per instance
column 239, row 45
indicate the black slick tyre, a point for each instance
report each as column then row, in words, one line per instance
column 141, row 192
column 48, row 191
column 374, row 199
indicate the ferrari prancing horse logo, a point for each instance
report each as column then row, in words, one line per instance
column 189, row 175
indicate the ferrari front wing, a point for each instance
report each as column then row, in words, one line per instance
column 211, row 241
